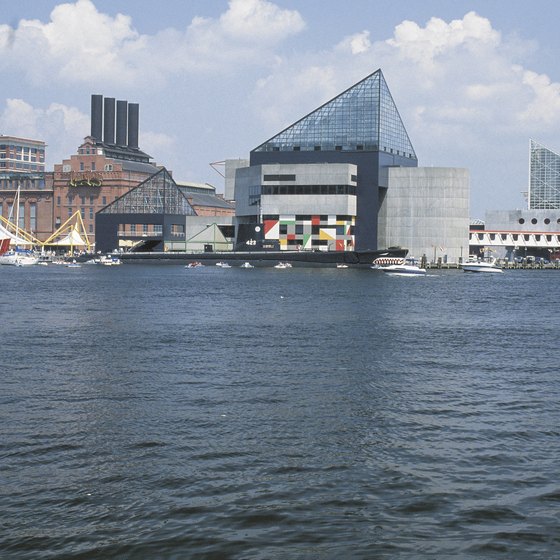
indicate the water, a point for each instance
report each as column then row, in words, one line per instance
column 159, row 412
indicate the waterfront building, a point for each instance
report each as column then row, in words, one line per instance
column 22, row 165
column 533, row 231
column 328, row 182
column 107, row 165
column 21, row 155
column 161, row 215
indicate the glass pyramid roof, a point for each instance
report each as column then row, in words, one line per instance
column 544, row 178
column 364, row 117
column 158, row 194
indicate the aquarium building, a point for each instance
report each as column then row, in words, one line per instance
column 326, row 182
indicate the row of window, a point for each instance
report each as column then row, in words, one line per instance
column 10, row 214
column 70, row 200
column 30, row 184
column 309, row 189
column 535, row 221
column 308, row 218
column 24, row 166
column 340, row 148
column 515, row 236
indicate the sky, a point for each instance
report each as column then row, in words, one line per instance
column 474, row 81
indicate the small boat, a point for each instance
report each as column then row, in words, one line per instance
column 109, row 260
column 283, row 265
column 341, row 265
column 195, row 264
column 482, row 266
column 247, row 265
column 223, row 264
column 403, row 270
column 73, row 264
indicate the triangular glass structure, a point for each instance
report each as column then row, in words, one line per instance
column 544, row 178
column 159, row 194
column 364, row 117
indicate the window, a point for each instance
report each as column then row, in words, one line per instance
column 93, row 165
column 58, row 200
column 547, row 221
column 81, row 165
column 279, row 178
column 108, row 167
column 521, row 221
column 90, row 213
column 534, row 221
column 33, row 216
column 104, row 200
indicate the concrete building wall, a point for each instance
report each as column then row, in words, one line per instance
column 545, row 221
column 308, row 204
column 426, row 210
column 231, row 165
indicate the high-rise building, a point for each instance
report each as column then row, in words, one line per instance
column 544, row 178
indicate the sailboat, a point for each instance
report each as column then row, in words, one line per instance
column 18, row 256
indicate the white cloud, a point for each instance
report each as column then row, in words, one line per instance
column 355, row 44
column 61, row 126
column 80, row 45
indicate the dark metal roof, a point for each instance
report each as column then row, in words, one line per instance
column 137, row 166
column 206, row 200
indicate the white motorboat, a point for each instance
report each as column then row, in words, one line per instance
column 110, row 260
column 247, row 265
column 283, row 265
column 223, row 265
column 341, row 265
column 403, row 270
column 195, row 264
column 482, row 266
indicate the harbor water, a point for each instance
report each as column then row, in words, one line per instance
column 171, row 413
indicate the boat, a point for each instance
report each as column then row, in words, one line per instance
column 246, row 265
column 19, row 257
column 403, row 270
column 73, row 264
column 283, row 265
column 195, row 264
column 16, row 256
column 109, row 260
column 341, row 265
column 482, row 266
column 223, row 264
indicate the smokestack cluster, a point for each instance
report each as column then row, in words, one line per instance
column 118, row 127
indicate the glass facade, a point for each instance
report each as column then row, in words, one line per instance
column 544, row 178
column 362, row 118
column 158, row 194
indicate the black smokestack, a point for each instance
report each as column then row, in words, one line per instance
column 96, row 116
column 121, row 122
column 109, row 121
column 133, row 119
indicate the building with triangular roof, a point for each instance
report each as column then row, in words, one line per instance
column 323, row 183
column 159, row 215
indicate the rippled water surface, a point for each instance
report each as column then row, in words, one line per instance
column 160, row 412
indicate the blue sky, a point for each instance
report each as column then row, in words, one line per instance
column 473, row 81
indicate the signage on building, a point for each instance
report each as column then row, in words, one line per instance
column 85, row 179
